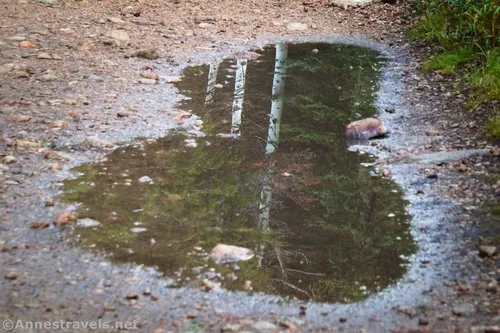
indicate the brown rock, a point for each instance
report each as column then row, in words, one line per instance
column 65, row 218
column 39, row 225
column 27, row 45
column 132, row 296
column 150, row 54
column 150, row 75
column 87, row 47
column 44, row 55
column 487, row 250
column 12, row 275
column 365, row 129
column 54, row 155
column 59, row 124
column 17, row 118
column 208, row 285
column 28, row 144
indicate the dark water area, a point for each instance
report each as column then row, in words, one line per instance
column 269, row 170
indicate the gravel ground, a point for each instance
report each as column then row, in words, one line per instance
column 75, row 86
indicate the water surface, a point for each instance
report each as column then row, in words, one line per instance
column 273, row 174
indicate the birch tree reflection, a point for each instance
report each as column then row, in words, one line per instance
column 212, row 80
column 273, row 132
column 239, row 94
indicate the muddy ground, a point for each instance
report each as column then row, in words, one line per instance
column 75, row 90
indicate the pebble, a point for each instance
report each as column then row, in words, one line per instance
column 96, row 78
column 119, row 35
column 28, row 144
column 265, row 326
column 17, row 118
column 44, row 55
column 296, row 26
column 47, row 78
column 150, row 54
column 123, row 114
column 27, row 45
column 87, row 223
column 12, row 275
column 115, row 20
column 138, row 230
column 487, row 250
column 463, row 310
column 146, row 81
column 9, row 159
column 150, row 75
column 132, row 296
column 39, row 225
column 95, row 142
column 145, row 179
column 231, row 328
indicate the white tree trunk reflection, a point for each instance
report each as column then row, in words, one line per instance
column 239, row 94
column 277, row 98
column 273, row 132
column 212, row 80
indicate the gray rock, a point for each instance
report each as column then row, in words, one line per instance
column 95, row 142
column 265, row 326
column 351, row 3
column 87, row 223
column 115, row 20
column 47, row 78
column 145, row 179
column 48, row 2
column 96, row 78
column 147, row 81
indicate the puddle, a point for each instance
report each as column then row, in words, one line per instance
column 272, row 174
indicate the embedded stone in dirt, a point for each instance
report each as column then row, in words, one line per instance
column 487, row 250
column 296, row 26
column 119, row 35
column 351, row 3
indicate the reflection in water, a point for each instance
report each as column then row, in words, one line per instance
column 273, row 132
column 332, row 232
column 239, row 94
column 212, row 80
column 277, row 98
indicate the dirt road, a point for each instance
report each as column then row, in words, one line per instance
column 71, row 89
